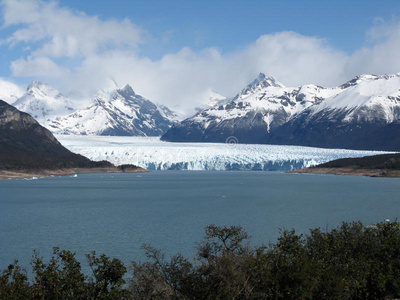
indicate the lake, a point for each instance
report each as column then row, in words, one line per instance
column 115, row 214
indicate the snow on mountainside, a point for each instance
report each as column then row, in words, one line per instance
column 43, row 103
column 259, row 108
column 365, row 115
column 153, row 154
column 120, row 112
column 367, row 97
column 10, row 92
column 213, row 99
column 348, row 116
column 167, row 113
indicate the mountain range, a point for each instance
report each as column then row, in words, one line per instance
column 116, row 112
column 360, row 114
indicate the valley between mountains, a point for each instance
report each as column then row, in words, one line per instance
column 362, row 114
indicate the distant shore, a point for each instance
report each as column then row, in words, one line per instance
column 349, row 171
column 20, row 174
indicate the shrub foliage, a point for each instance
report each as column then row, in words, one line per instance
column 349, row 262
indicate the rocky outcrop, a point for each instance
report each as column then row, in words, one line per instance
column 26, row 145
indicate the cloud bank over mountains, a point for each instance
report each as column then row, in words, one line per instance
column 72, row 50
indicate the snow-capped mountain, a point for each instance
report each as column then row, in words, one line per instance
column 120, row 112
column 364, row 115
column 213, row 99
column 43, row 102
column 366, row 98
column 167, row 113
column 360, row 114
column 251, row 115
column 10, row 92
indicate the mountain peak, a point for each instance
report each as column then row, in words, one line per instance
column 261, row 76
column 43, row 102
column 34, row 84
column 365, row 77
column 42, row 90
column 261, row 82
column 127, row 91
column 127, row 88
column 265, row 81
column 119, row 112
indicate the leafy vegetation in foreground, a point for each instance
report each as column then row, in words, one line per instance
column 350, row 262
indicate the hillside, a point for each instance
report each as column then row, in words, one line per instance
column 28, row 147
column 384, row 165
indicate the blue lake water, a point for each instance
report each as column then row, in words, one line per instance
column 115, row 214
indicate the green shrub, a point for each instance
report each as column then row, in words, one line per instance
column 349, row 262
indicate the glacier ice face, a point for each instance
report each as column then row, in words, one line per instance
column 153, row 154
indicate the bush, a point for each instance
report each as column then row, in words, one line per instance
column 349, row 262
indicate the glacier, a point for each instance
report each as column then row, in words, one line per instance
column 153, row 154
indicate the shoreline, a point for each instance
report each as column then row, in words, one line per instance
column 23, row 174
column 350, row 171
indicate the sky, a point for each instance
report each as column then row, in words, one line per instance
column 175, row 52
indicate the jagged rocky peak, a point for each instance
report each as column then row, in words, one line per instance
column 42, row 89
column 261, row 82
column 33, row 85
column 43, row 102
column 168, row 114
column 127, row 91
column 118, row 112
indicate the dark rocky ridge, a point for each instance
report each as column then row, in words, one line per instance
column 26, row 145
column 329, row 130
column 382, row 161
column 383, row 165
column 220, row 132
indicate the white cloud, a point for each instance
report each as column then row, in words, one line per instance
column 296, row 59
column 9, row 91
column 75, row 51
column 382, row 57
column 64, row 33
column 183, row 78
column 38, row 67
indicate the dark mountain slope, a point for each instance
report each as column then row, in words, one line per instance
column 383, row 161
column 26, row 145
column 330, row 130
column 383, row 165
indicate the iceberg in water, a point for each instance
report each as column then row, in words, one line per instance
column 153, row 154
